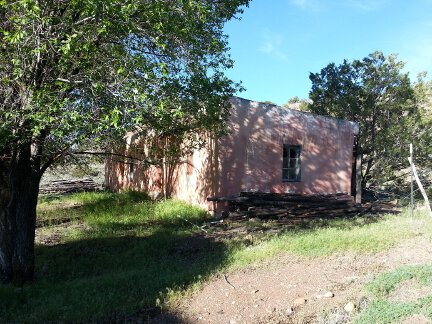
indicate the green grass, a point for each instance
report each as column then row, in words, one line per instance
column 122, row 261
column 119, row 254
column 359, row 235
column 384, row 310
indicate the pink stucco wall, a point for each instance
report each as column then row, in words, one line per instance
column 250, row 157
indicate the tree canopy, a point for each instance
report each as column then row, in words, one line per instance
column 89, row 67
column 375, row 92
column 74, row 71
column 297, row 103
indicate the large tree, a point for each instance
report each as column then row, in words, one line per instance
column 74, row 72
column 376, row 93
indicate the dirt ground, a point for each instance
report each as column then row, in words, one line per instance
column 291, row 289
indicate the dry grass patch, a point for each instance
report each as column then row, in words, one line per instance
column 410, row 290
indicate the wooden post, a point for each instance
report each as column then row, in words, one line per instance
column 420, row 186
column 358, row 197
column 164, row 171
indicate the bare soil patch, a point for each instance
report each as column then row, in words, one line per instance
column 271, row 291
column 416, row 319
column 409, row 291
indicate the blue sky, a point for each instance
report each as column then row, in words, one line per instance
column 277, row 43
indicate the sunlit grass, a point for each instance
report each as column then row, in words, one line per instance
column 109, row 214
column 383, row 309
column 360, row 235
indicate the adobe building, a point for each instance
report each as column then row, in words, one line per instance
column 268, row 149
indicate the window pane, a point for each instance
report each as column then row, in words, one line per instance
column 292, row 175
column 291, row 162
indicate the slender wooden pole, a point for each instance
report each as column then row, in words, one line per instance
column 420, row 186
column 412, row 183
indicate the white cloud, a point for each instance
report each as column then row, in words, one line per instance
column 367, row 5
column 272, row 45
column 324, row 5
column 300, row 3
column 311, row 5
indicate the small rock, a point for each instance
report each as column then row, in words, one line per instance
column 349, row 307
column 327, row 294
column 299, row 301
column 255, row 291
column 233, row 321
column 289, row 311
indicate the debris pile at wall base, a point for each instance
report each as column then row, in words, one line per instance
column 281, row 205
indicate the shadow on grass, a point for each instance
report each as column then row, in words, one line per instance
column 107, row 279
column 98, row 200
column 292, row 224
column 366, row 215
column 104, row 196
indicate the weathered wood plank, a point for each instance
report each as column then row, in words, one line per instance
column 281, row 205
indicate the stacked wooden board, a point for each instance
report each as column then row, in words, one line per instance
column 68, row 186
column 280, row 205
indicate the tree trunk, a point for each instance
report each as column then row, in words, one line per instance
column 18, row 200
column 366, row 174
